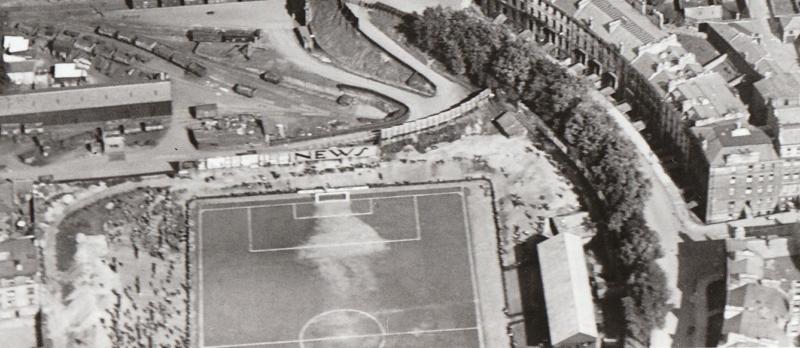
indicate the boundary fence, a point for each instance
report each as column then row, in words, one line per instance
column 392, row 134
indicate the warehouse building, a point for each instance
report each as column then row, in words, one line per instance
column 567, row 293
column 95, row 103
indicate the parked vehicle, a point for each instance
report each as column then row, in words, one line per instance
column 271, row 77
column 244, row 90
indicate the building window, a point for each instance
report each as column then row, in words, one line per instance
column 750, row 167
column 771, row 176
column 760, row 178
column 769, row 188
column 731, row 191
column 733, row 180
column 760, row 189
column 749, row 178
column 748, row 191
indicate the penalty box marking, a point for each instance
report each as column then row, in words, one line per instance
column 417, row 228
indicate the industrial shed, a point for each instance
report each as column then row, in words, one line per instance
column 95, row 103
column 567, row 294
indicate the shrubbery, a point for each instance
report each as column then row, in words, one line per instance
column 490, row 56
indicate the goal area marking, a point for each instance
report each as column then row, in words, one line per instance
column 324, row 197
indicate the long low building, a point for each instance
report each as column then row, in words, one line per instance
column 567, row 293
column 94, row 103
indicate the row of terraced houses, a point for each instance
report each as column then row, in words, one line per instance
column 743, row 170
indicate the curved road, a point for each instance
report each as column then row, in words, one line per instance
column 278, row 26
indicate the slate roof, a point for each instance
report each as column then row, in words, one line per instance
column 765, row 312
column 708, row 97
column 722, row 141
column 617, row 22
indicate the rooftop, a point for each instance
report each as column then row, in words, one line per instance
column 67, row 70
column 615, row 21
column 666, row 63
column 14, row 44
column 789, row 134
column 28, row 65
column 760, row 273
column 730, row 143
column 744, row 38
column 779, row 86
column 764, row 312
column 71, row 98
column 708, row 97
column 18, row 258
column 568, row 297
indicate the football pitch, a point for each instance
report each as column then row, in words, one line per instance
column 389, row 267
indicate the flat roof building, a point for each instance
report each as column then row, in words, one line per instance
column 94, row 103
column 19, row 271
column 567, row 294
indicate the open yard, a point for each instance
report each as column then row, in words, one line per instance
column 384, row 268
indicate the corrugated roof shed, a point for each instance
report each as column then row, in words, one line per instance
column 567, row 294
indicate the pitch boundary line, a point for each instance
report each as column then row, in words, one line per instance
column 472, row 269
column 200, row 327
column 312, row 202
column 323, row 339
column 249, row 229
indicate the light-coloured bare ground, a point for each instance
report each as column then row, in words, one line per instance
column 522, row 176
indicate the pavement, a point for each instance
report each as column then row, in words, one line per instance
column 666, row 213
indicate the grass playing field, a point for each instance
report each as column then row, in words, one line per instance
column 388, row 268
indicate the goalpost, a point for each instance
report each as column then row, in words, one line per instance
column 324, row 197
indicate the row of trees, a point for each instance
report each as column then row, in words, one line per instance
column 490, row 56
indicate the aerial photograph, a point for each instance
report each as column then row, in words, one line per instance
column 399, row 173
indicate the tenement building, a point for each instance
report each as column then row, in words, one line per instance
column 738, row 170
column 645, row 64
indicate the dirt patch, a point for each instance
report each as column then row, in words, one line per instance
column 344, row 268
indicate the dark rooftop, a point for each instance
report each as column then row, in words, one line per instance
column 18, row 258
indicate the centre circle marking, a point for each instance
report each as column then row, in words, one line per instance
column 301, row 340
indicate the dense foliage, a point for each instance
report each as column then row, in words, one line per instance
column 491, row 57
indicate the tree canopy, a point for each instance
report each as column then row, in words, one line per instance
column 491, row 56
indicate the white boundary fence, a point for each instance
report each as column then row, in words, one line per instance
column 361, row 154
column 419, row 125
